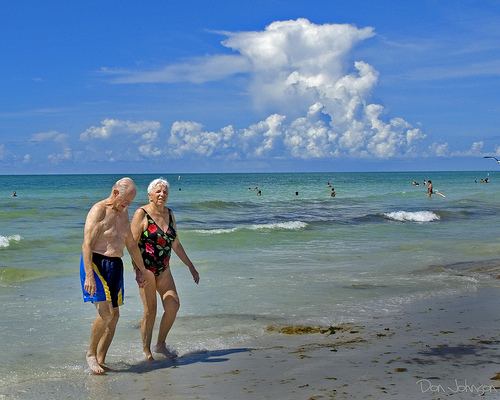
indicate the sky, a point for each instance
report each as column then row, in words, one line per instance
column 233, row 86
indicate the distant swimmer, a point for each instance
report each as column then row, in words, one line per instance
column 333, row 194
column 259, row 192
column 296, row 193
column 430, row 192
column 14, row 194
column 494, row 158
column 415, row 183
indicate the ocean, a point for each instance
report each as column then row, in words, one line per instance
column 293, row 255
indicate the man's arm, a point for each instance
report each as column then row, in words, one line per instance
column 91, row 232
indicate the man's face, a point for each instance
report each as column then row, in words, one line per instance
column 122, row 201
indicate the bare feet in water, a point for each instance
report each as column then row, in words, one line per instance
column 94, row 365
column 167, row 352
column 103, row 365
column 149, row 356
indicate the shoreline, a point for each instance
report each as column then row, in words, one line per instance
column 434, row 348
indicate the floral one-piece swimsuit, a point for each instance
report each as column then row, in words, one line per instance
column 156, row 245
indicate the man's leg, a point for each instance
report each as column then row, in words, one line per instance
column 104, row 317
column 109, row 333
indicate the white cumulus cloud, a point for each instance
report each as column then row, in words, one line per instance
column 52, row 136
column 190, row 137
column 143, row 134
column 61, row 149
column 321, row 100
column 439, row 149
column 110, row 126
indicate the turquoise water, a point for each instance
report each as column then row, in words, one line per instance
column 270, row 259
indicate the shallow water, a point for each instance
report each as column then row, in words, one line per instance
column 270, row 259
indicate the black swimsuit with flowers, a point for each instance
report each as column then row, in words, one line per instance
column 156, row 245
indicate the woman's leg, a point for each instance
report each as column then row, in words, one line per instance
column 148, row 297
column 165, row 286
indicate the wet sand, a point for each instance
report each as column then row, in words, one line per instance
column 438, row 348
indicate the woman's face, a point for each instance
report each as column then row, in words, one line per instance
column 159, row 195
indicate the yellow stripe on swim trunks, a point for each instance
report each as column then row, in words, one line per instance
column 120, row 297
column 103, row 281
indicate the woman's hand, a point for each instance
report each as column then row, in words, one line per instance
column 140, row 278
column 195, row 274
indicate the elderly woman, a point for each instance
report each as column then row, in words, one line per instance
column 153, row 227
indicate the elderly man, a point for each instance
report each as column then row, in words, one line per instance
column 107, row 232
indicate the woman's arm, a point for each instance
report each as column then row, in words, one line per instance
column 181, row 253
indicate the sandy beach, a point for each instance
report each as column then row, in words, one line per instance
column 445, row 347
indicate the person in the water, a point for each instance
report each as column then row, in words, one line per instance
column 106, row 233
column 155, row 230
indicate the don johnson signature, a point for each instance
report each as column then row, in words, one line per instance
column 427, row 386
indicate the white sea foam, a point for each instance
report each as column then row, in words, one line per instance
column 215, row 231
column 413, row 216
column 290, row 225
column 5, row 241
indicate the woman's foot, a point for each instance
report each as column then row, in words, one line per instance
column 165, row 350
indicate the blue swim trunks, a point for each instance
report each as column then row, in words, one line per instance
column 108, row 274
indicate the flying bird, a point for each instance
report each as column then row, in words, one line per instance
column 496, row 159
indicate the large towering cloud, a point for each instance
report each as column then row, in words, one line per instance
column 320, row 100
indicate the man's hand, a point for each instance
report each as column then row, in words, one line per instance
column 89, row 284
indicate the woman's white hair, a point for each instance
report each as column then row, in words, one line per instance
column 156, row 182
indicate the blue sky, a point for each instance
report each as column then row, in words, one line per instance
column 227, row 86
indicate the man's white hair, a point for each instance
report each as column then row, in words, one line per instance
column 123, row 184
column 156, row 182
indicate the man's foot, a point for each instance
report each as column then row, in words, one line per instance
column 165, row 350
column 94, row 365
